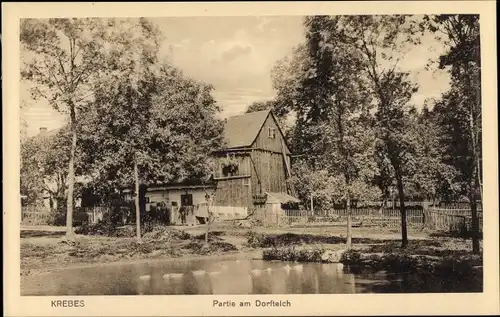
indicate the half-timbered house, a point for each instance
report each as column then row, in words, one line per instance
column 255, row 161
column 253, row 166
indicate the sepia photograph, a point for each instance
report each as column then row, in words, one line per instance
column 251, row 155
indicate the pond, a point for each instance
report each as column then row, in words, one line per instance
column 204, row 276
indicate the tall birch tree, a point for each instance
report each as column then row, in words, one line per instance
column 61, row 57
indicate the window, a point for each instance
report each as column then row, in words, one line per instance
column 186, row 200
column 272, row 133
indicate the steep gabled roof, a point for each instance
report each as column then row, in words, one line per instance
column 241, row 130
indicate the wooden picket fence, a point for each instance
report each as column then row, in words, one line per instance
column 96, row 214
column 43, row 216
column 452, row 220
column 432, row 218
column 35, row 216
column 361, row 216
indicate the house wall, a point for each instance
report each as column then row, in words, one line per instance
column 198, row 195
column 234, row 192
column 269, row 163
column 174, row 195
column 229, row 212
column 229, row 209
column 269, row 172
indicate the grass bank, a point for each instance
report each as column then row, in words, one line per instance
column 43, row 251
column 264, row 240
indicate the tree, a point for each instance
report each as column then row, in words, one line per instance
column 381, row 40
column 44, row 168
column 460, row 109
column 260, row 106
column 290, row 78
column 62, row 56
column 313, row 185
column 151, row 124
column 23, row 133
column 123, row 97
column 321, row 85
column 345, row 145
column 432, row 178
column 31, row 173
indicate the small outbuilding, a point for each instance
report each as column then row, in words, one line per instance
column 277, row 206
column 280, row 202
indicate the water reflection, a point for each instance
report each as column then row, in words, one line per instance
column 225, row 277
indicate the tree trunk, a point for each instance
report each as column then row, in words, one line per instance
column 473, row 207
column 349, row 220
column 475, row 181
column 71, row 174
column 137, row 206
column 475, row 185
column 479, row 178
column 208, row 224
column 384, row 203
column 475, row 227
column 402, row 209
column 208, row 231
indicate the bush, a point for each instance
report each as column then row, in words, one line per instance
column 166, row 234
column 58, row 217
column 259, row 240
column 254, row 239
column 292, row 254
column 199, row 247
column 149, row 232
column 212, row 236
column 101, row 228
column 350, row 257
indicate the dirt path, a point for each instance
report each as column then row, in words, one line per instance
column 363, row 232
column 43, row 228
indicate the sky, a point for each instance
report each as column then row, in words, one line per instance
column 236, row 55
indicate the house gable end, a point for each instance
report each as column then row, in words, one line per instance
column 264, row 142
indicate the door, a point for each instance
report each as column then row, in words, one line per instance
column 187, row 214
